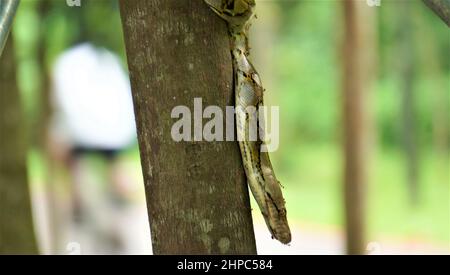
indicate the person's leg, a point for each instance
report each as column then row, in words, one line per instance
column 118, row 178
column 77, row 174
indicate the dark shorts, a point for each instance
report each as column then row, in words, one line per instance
column 109, row 154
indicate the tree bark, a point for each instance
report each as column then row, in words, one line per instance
column 197, row 195
column 359, row 33
column 16, row 224
column 441, row 8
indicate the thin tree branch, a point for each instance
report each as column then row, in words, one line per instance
column 441, row 8
column 7, row 11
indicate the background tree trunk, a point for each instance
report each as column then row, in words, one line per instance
column 406, row 74
column 43, row 129
column 16, row 223
column 359, row 69
column 196, row 192
column 45, row 109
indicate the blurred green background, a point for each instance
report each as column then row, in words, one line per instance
column 296, row 46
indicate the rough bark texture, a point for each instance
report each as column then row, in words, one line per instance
column 357, row 82
column 441, row 8
column 196, row 192
column 16, row 224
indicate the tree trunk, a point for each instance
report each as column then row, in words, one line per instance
column 45, row 109
column 406, row 71
column 197, row 195
column 441, row 8
column 357, row 80
column 41, row 133
column 16, row 224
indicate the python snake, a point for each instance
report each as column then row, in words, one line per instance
column 261, row 178
column 265, row 188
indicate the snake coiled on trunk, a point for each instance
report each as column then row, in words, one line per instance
column 265, row 188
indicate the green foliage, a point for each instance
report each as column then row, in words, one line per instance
column 308, row 67
column 308, row 89
column 313, row 193
column 54, row 26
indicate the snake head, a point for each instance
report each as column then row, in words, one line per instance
column 236, row 12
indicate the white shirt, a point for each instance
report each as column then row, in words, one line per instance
column 92, row 98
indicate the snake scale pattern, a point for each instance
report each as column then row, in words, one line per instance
column 265, row 188
column 261, row 178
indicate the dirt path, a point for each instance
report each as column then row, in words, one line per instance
column 126, row 231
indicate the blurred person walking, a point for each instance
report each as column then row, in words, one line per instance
column 93, row 115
